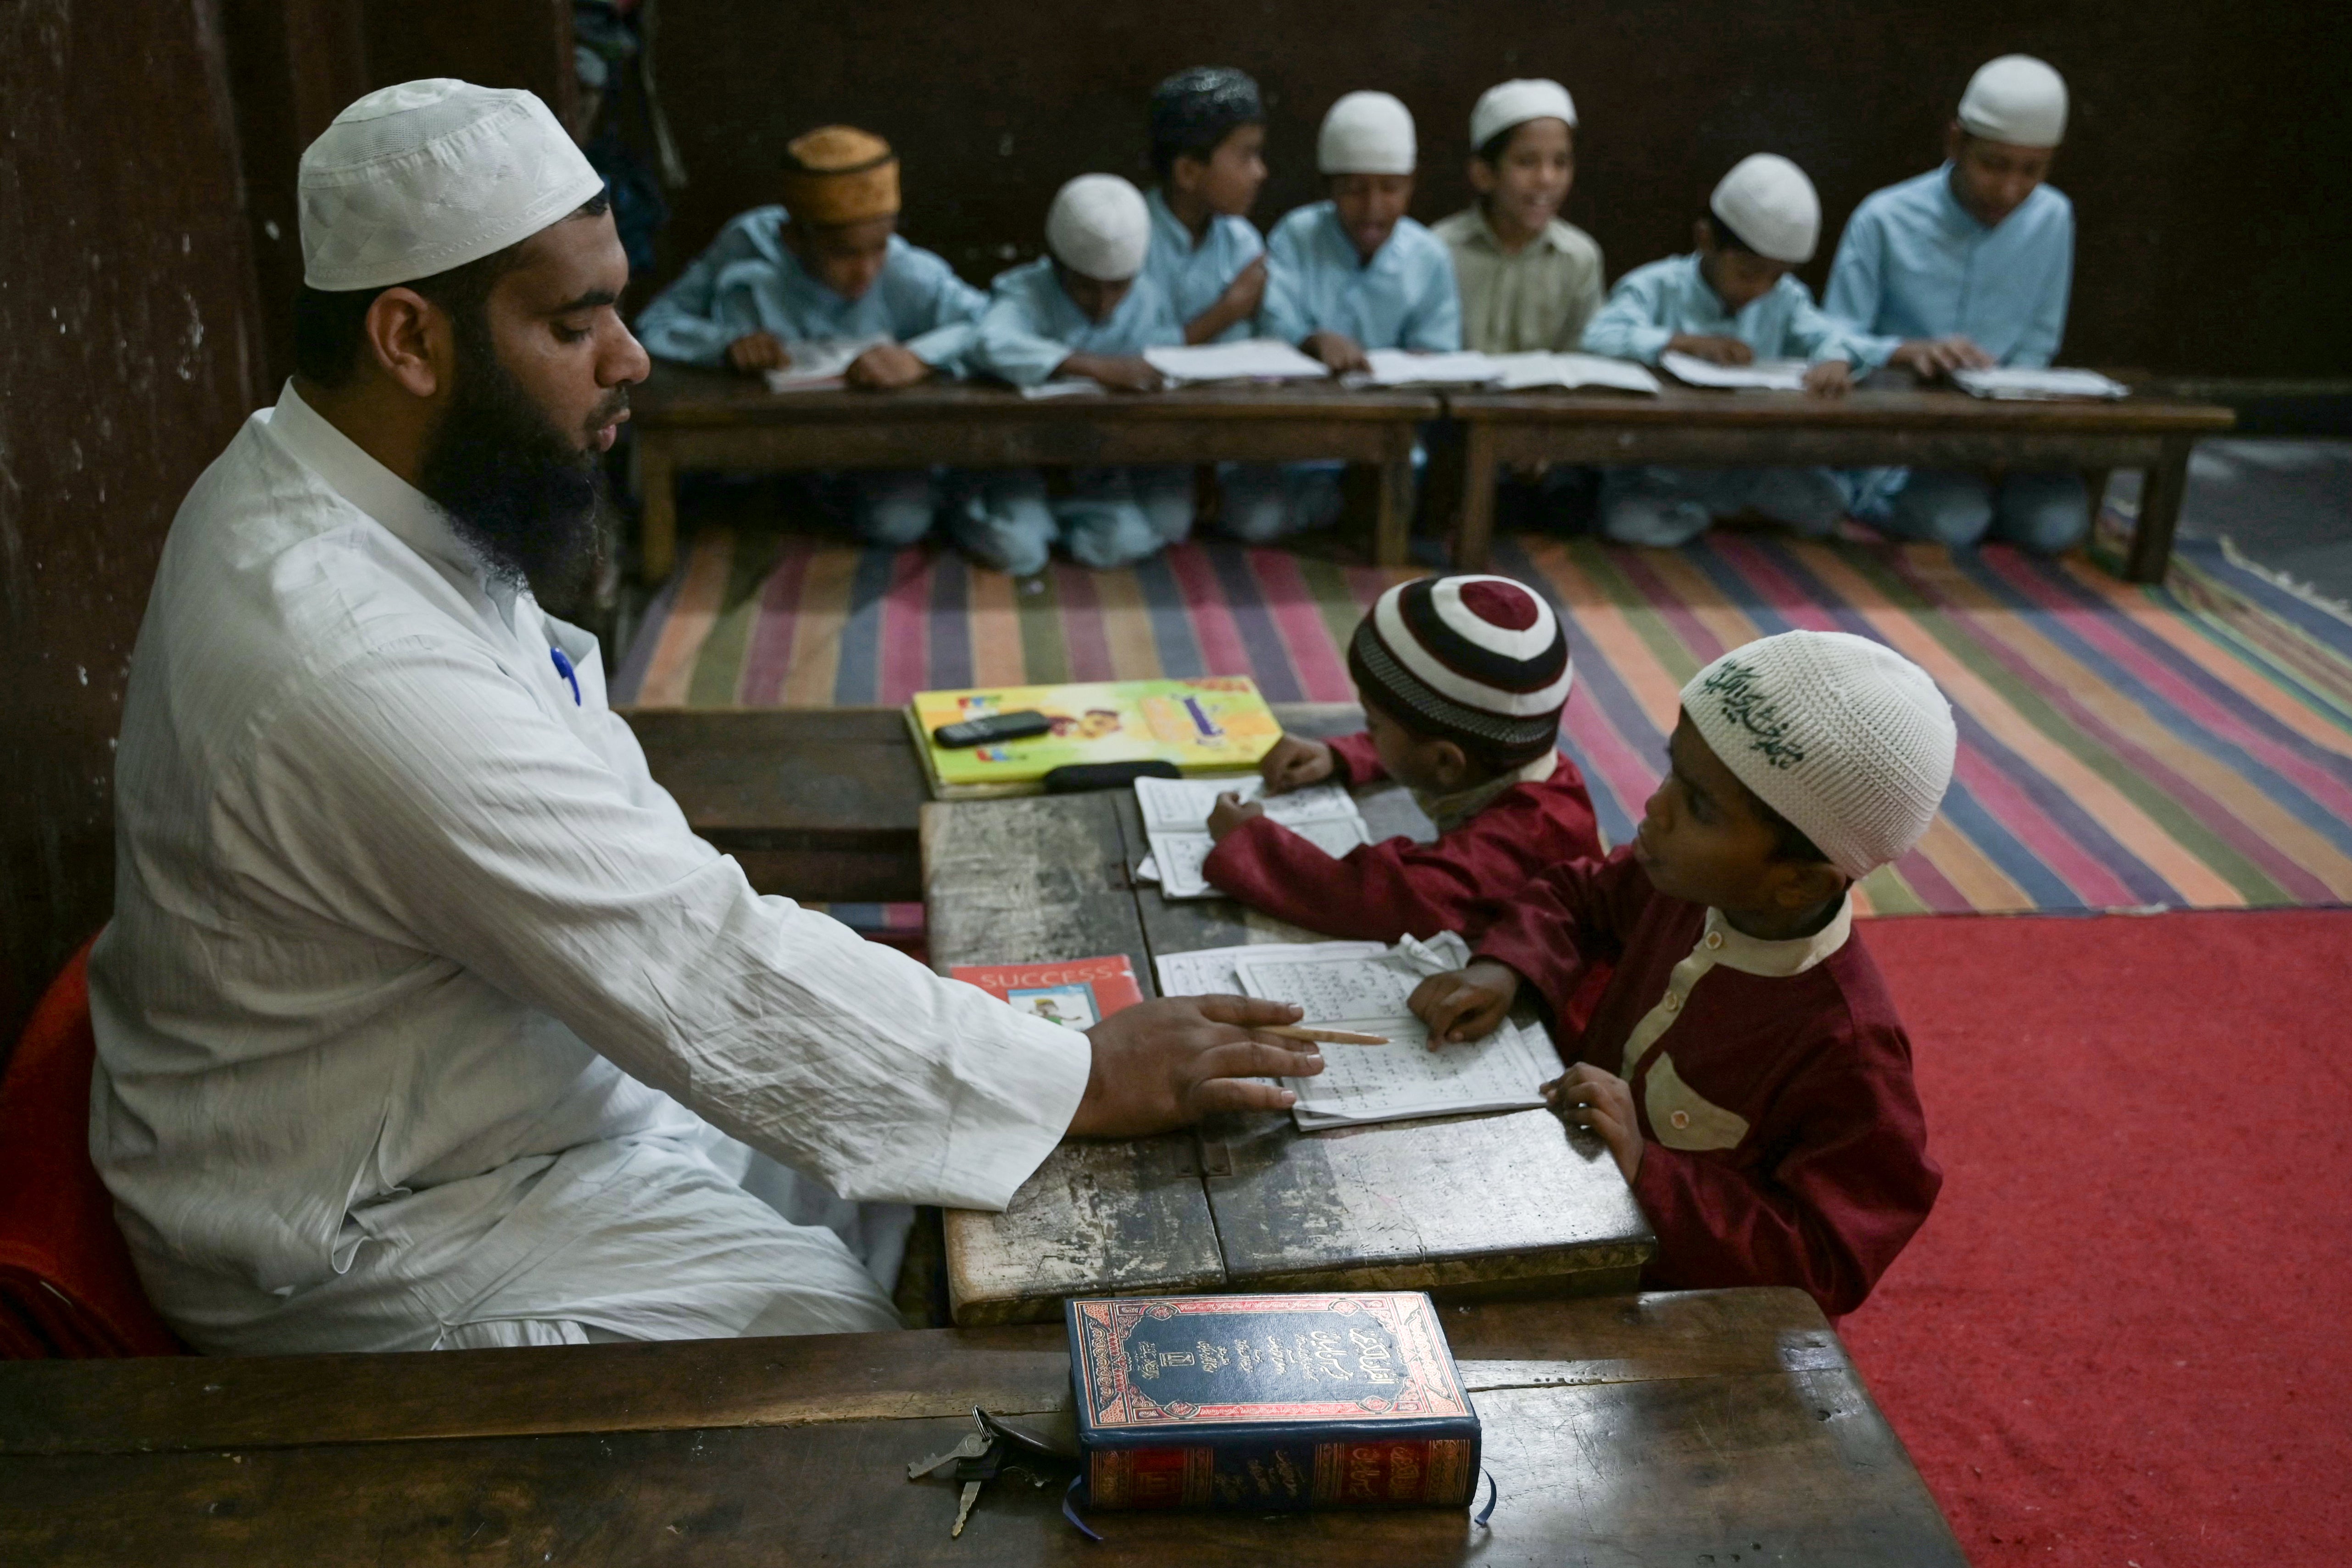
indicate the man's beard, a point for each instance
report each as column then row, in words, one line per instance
column 520, row 490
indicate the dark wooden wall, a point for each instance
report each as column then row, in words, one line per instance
column 127, row 358
column 2207, row 159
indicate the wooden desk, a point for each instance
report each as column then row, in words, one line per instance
column 687, row 419
column 1866, row 428
column 1654, row 1430
column 1464, row 1207
column 824, row 803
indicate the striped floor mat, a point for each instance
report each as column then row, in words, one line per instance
column 2121, row 748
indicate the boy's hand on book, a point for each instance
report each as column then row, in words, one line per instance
column 1828, row 378
column 886, row 367
column 1589, row 1097
column 1465, row 1003
column 1294, row 765
column 756, row 352
column 1230, row 812
column 1339, row 351
column 1713, row 350
column 1932, row 359
column 1120, row 373
column 1168, row 1063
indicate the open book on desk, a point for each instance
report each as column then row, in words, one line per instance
column 1176, row 820
column 818, row 364
column 2017, row 383
column 1363, row 986
column 1250, row 359
column 1764, row 375
column 1524, row 371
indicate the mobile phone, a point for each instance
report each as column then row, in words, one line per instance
column 1071, row 777
column 995, row 727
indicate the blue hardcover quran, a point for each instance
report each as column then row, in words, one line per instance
column 1270, row 1403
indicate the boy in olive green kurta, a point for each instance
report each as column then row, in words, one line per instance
column 1529, row 280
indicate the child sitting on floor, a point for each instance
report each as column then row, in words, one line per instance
column 828, row 264
column 1744, row 1064
column 1084, row 309
column 1461, row 679
column 1731, row 301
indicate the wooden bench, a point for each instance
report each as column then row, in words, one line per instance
column 1710, row 1425
column 1464, row 1207
column 1870, row 428
column 685, row 418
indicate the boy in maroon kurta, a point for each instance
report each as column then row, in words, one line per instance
column 1744, row 1064
column 1461, row 679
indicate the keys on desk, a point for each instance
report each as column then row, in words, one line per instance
column 986, row 1452
column 972, row 1447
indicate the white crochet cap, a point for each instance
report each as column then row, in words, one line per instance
column 1844, row 737
column 1770, row 203
column 1511, row 103
column 1366, row 133
column 2018, row 100
column 415, row 179
column 1098, row 227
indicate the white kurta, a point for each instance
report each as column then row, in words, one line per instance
column 420, row 1001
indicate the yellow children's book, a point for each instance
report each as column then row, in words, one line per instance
column 1209, row 724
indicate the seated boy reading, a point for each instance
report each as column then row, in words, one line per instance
column 828, row 264
column 1354, row 272
column 1961, row 268
column 1461, row 679
column 1731, row 301
column 1744, row 1064
column 1086, row 310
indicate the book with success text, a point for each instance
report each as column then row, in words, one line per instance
column 1078, row 992
column 1270, row 1403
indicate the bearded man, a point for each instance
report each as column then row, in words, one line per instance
column 423, row 1020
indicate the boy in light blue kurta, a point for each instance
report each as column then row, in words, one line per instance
column 1968, row 266
column 1086, row 310
column 1354, row 273
column 1208, row 141
column 1732, row 300
column 827, row 265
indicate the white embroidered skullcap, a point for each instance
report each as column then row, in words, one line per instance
column 415, row 179
column 1366, row 133
column 2018, row 100
column 1844, row 737
column 1770, row 204
column 1510, row 104
column 1099, row 227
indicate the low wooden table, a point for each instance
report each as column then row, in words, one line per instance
column 1941, row 430
column 1713, row 1426
column 825, row 803
column 1463, row 1206
column 687, row 419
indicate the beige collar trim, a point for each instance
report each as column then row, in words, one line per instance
column 1451, row 811
column 1777, row 959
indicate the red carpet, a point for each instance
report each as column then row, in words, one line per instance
column 2121, row 1338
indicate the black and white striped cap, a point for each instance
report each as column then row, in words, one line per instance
column 1478, row 659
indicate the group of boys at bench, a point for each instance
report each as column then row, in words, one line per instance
column 423, row 1020
column 1969, row 265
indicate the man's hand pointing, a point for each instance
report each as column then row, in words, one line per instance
column 1168, row 1063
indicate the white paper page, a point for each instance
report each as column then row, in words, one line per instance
column 1176, row 816
column 1405, row 367
column 1252, row 359
column 817, row 364
column 1764, row 375
column 2002, row 383
column 1404, row 1079
column 1516, row 373
column 1211, row 971
column 1068, row 386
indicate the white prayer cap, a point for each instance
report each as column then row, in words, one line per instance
column 1844, row 737
column 1366, row 133
column 2018, row 100
column 1099, row 227
column 1770, row 203
column 1517, row 102
column 416, row 179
